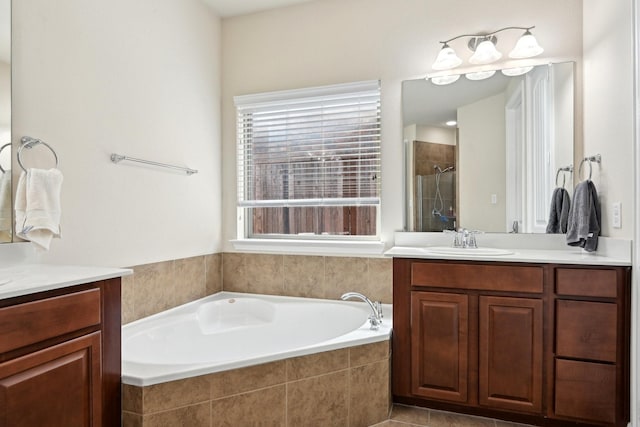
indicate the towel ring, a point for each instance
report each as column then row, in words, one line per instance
column 8, row 144
column 29, row 142
column 597, row 158
column 564, row 176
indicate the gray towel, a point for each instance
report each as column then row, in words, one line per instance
column 559, row 212
column 584, row 217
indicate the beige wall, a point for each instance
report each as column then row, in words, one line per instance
column 608, row 106
column 140, row 78
column 144, row 78
column 482, row 164
column 334, row 41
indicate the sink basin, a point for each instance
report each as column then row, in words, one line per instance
column 447, row 250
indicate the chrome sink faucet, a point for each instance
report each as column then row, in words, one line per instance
column 375, row 319
column 464, row 238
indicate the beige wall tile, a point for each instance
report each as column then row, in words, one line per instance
column 369, row 394
column 213, row 273
column 410, row 414
column 304, row 276
column 127, row 297
column 154, row 288
column 132, row 398
column 174, row 394
column 246, row 379
column 317, row 364
column 368, row 353
column 264, row 273
column 344, row 274
column 265, row 407
column 129, row 419
column 234, row 278
column 380, row 285
column 190, row 279
column 318, row 401
column 187, row 416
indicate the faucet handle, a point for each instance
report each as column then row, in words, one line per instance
column 378, row 305
column 471, row 240
column 460, row 238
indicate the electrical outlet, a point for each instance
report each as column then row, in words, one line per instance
column 616, row 219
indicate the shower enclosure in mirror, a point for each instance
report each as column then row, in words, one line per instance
column 485, row 154
column 6, row 222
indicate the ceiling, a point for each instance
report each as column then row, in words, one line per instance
column 227, row 8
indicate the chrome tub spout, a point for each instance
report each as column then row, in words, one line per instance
column 375, row 319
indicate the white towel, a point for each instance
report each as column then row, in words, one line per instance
column 38, row 206
column 5, row 206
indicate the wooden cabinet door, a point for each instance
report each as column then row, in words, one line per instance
column 510, row 353
column 439, row 346
column 57, row 386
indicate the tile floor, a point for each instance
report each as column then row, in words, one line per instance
column 409, row 416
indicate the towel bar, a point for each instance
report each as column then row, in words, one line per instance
column 116, row 158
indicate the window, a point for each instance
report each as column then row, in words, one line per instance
column 309, row 162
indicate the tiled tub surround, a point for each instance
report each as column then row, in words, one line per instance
column 163, row 285
column 159, row 286
column 341, row 387
column 347, row 387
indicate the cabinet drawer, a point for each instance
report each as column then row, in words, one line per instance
column 585, row 390
column 32, row 322
column 478, row 276
column 586, row 330
column 586, row 282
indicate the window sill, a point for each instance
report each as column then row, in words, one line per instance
column 310, row 247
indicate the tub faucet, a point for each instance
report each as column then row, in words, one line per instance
column 375, row 319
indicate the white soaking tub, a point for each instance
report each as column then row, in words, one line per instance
column 233, row 330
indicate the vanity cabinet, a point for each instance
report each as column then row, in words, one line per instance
column 535, row 343
column 60, row 357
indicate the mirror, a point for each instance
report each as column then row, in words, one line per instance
column 6, row 222
column 495, row 166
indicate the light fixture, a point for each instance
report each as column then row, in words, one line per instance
column 484, row 49
column 480, row 75
column 526, row 47
column 447, row 59
column 451, row 123
column 516, row 71
column 444, row 80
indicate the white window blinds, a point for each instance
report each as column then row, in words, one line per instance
column 310, row 147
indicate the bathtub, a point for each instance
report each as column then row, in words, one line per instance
column 233, row 330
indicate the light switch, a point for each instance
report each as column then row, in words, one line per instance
column 616, row 219
column 494, row 199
